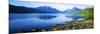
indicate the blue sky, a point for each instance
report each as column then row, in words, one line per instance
column 58, row 6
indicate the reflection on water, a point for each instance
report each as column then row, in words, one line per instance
column 46, row 17
column 29, row 21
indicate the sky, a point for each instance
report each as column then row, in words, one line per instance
column 59, row 6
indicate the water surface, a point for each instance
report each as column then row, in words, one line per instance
column 30, row 21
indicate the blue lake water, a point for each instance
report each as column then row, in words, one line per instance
column 30, row 21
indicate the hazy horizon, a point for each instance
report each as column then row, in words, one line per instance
column 58, row 6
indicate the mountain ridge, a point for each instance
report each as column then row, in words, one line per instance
column 41, row 9
column 21, row 9
column 74, row 9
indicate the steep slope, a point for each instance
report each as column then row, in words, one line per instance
column 21, row 9
column 75, row 9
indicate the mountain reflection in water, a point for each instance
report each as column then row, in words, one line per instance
column 46, row 17
column 19, row 22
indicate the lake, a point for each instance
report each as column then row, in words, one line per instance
column 18, row 22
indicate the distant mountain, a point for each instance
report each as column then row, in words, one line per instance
column 21, row 9
column 75, row 9
column 48, row 9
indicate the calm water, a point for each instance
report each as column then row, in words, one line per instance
column 30, row 21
